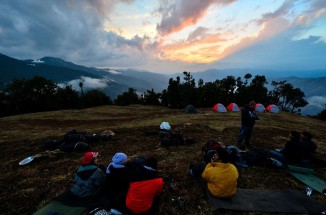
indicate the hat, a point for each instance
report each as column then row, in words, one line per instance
column 119, row 158
column 89, row 157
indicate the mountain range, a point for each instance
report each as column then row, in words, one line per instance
column 114, row 82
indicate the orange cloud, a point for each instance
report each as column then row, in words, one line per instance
column 205, row 50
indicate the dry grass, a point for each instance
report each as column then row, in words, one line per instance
column 24, row 189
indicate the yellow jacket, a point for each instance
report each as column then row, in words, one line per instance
column 221, row 179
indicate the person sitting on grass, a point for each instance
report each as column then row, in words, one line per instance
column 292, row 151
column 89, row 178
column 220, row 175
column 118, row 176
column 145, row 189
column 308, row 146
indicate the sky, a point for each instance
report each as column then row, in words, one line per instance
column 168, row 36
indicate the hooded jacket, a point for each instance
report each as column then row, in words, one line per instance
column 221, row 179
column 88, row 181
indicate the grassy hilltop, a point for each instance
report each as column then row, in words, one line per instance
column 24, row 189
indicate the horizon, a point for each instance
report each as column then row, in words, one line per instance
column 168, row 36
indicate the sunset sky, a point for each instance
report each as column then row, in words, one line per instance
column 168, row 35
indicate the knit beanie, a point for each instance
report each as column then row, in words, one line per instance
column 89, row 157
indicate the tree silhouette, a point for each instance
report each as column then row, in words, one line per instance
column 81, row 84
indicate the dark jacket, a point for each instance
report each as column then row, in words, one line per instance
column 309, row 149
column 88, row 181
column 248, row 116
column 292, row 151
column 117, row 181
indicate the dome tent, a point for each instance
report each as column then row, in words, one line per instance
column 219, row 108
column 259, row 107
column 190, row 109
column 272, row 108
column 233, row 107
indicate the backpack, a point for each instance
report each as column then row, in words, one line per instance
column 171, row 138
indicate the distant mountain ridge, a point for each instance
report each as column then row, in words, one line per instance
column 115, row 82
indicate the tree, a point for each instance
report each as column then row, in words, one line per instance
column 188, row 91
column 174, row 93
column 322, row 115
column 247, row 77
column 34, row 95
column 287, row 97
column 151, row 98
column 257, row 89
column 127, row 98
column 95, row 98
column 81, row 84
column 67, row 98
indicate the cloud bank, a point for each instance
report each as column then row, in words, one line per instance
column 167, row 35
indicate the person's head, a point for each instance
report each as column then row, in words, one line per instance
column 305, row 135
column 252, row 104
column 294, row 135
column 209, row 154
column 151, row 162
column 90, row 158
column 119, row 158
column 221, row 155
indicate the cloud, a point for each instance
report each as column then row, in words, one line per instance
column 88, row 83
column 318, row 101
column 315, row 106
column 72, row 30
column 177, row 15
column 277, row 46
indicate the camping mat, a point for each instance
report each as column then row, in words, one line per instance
column 66, row 204
column 300, row 169
column 284, row 201
column 58, row 208
column 310, row 180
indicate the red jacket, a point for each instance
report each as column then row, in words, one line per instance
column 142, row 191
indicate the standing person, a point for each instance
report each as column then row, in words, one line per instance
column 308, row 146
column 89, row 178
column 220, row 175
column 144, row 189
column 117, row 180
column 248, row 118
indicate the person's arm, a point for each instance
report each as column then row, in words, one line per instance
column 205, row 175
